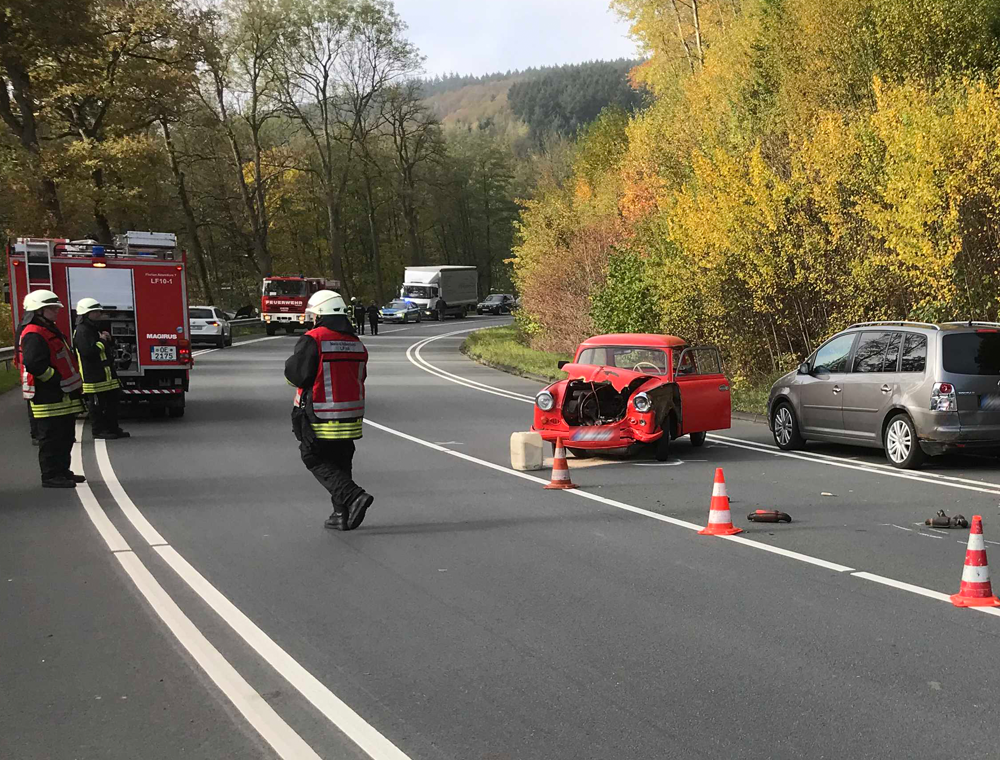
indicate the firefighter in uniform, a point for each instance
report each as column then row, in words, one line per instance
column 328, row 367
column 27, row 390
column 100, row 381
column 52, row 375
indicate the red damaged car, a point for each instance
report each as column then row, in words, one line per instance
column 624, row 391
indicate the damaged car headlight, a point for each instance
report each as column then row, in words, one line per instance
column 544, row 401
column 642, row 403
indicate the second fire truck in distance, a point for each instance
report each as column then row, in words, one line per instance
column 283, row 300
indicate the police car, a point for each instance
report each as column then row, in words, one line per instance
column 399, row 311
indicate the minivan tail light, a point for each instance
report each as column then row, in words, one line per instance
column 943, row 398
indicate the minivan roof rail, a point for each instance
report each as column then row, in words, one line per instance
column 973, row 323
column 898, row 323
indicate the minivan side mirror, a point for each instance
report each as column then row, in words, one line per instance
column 562, row 364
column 804, row 368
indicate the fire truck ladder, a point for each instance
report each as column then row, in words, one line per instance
column 38, row 256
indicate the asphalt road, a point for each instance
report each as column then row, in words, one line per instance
column 475, row 615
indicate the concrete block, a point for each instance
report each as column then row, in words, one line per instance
column 526, row 451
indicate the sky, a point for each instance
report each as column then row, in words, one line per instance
column 484, row 36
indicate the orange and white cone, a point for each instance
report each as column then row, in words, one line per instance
column 560, row 469
column 720, row 519
column 976, row 590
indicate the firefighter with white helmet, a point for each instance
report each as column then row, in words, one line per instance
column 51, row 374
column 329, row 367
column 95, row 352
column 27, row 390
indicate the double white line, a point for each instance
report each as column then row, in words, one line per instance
column 271, row 726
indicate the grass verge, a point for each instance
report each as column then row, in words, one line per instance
column 504, row 348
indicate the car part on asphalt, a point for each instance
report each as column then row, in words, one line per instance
column 720, row 519
column 769, row 516
column 943, row 521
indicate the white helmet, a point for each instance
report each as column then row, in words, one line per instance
column 37, row 300
column 87, row 305
column 324, row 302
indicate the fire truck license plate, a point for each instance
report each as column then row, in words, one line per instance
column 164, row 353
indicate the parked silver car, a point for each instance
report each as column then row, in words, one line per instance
column 913, row 389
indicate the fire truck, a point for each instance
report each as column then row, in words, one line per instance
column 141, row 283
column 283, row 300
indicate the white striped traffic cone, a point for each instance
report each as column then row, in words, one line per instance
column 560, row 469
column 976, row 590
column 720, row 519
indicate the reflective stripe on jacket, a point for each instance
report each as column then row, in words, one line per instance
column 92, row 351
column 335, row 404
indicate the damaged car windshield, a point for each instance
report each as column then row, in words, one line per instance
column 650, row 361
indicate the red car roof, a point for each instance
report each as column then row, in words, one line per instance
column 634, row 339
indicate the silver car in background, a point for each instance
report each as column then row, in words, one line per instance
column 913, row 389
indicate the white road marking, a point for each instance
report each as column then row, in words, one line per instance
column 276, row 732
column 945, row 480
column 333, row 708
column 288, row 744
column 881, row 467
column 610, row 502
column 836, row 462
column 204, row 351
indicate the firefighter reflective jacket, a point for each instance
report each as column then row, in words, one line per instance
column 329, row 367
column 95, row 365
column 50, row 371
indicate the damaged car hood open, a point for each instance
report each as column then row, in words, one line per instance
column 619, row 378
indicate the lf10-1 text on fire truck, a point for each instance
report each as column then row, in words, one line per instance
column 283, row 300
column 140, row 282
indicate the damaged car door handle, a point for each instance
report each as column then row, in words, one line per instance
column 836, row 389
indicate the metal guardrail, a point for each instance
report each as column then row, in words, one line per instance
column 7, row 356
column 245, row 322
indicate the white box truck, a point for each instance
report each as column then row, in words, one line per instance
column 441, row 290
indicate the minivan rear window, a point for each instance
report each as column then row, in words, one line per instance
column 974, row 353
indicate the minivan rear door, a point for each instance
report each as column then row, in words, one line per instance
column 971, row 362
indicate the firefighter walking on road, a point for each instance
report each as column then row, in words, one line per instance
column 329, row 367
column 52, row 379
column 94, row 349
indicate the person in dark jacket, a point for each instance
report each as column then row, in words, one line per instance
column 55, row 383
column 359, row 315
column 101, row 387
column 328, row 368
column 26, row 319
column 373, row 318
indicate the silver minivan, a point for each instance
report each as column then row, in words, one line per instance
column 913, row 389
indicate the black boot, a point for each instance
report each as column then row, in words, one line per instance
column 60, row 481
column 75, row 478
column 337, row 521
column 358, row 509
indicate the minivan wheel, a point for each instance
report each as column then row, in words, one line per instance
column 901, row 446
column 786, row 428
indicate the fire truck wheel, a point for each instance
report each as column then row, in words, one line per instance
column 175, row 412
column 270, row 329
column 157, row 411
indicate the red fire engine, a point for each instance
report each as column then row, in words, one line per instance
column 141, row 283
column 283, row 300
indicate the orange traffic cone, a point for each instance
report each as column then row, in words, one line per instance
column 560, row 469
column 720, row 519
column 976, row 590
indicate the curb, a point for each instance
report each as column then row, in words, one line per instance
column 759, row 419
